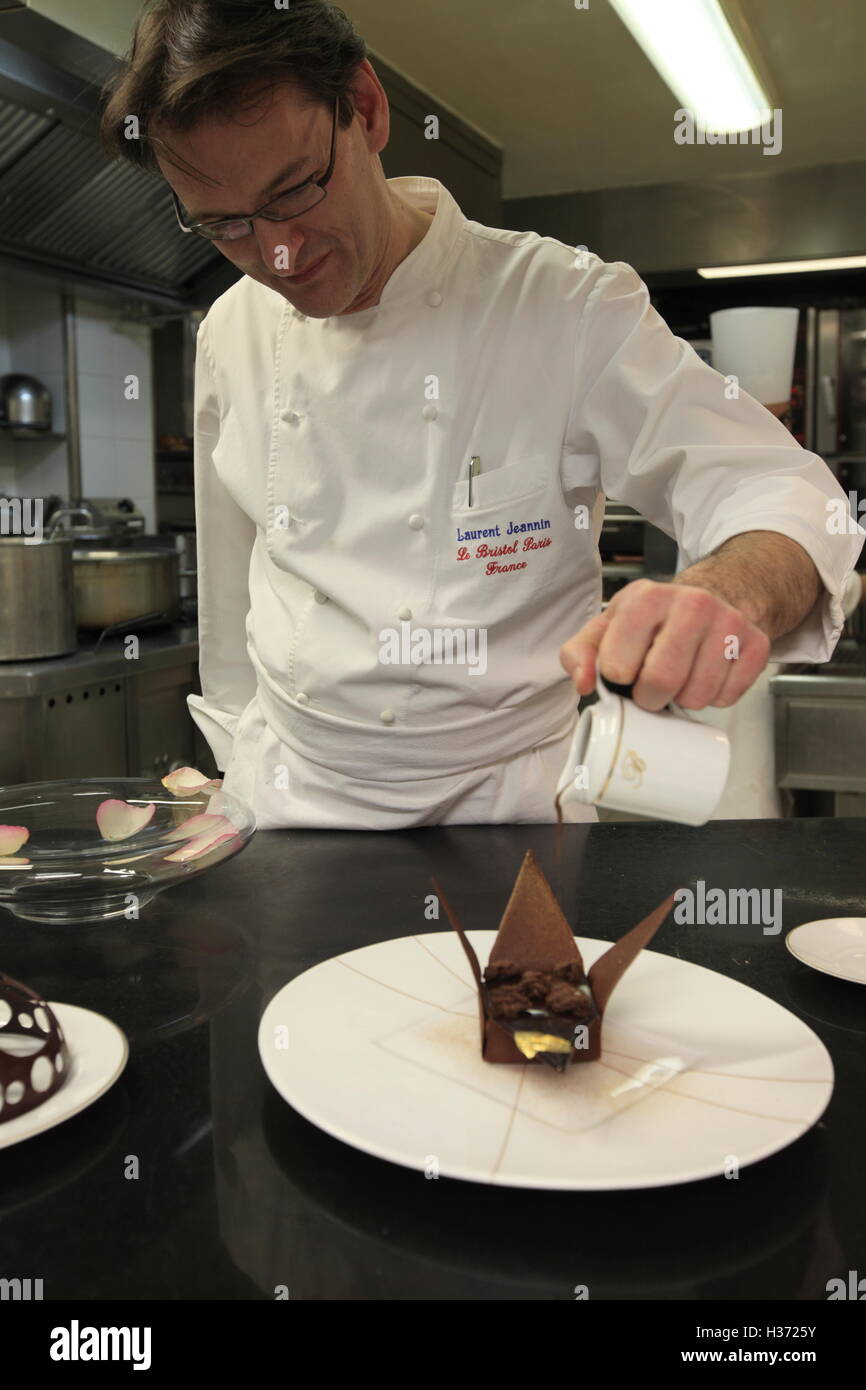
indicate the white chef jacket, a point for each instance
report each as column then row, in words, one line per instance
column 331, row 460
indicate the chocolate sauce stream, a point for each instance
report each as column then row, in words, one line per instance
column 558, row 855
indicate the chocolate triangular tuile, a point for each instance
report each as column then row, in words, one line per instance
column 608, row 970
column 473, row 964
column 464, row 940
column 534, row 932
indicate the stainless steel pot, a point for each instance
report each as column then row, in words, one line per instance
column 185, row 542
column 117, row 585
column 37, row 613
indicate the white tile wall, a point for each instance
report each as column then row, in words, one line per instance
column 117, row 443
column 96, row 393
column 40, row 468
column 99, row 467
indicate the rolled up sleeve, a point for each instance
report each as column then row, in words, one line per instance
column 224, row 542
column 699, row 465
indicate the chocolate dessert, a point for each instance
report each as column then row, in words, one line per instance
column 28, row 1077
column 536, row 1003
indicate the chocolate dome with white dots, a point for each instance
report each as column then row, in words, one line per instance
column 28, row 1075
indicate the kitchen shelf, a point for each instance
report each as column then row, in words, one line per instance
column 613, row 569
column 31, row 438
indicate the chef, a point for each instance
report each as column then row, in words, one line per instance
column 406, row 426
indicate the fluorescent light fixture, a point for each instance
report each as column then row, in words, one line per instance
column 732, row 272
column 692, row 46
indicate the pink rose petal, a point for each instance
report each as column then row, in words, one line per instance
column 188, row 779
column 200, row 845
column 202, row 824
column 12, row 837
column 117, row 820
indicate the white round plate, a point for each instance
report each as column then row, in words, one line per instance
column 98, row 1051
column 834, row 945
column 380, row 1048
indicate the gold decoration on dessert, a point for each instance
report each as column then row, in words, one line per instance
column 531, row 1043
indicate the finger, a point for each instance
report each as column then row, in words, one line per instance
column 636, row 614
column 670, row 663
column 744, row 669
column 711, row 668
column 666, row 669
column 578, row 654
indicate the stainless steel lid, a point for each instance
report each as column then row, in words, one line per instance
column 125, row 555
column 32, row 543
column 24, row 402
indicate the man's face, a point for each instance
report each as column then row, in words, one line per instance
column 247, row 157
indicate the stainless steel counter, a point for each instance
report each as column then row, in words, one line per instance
column 841, row 682
column 820, row 728
column 103, row 713
column 156, row 650
column 844, row 674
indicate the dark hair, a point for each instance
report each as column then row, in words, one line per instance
column 191, row 59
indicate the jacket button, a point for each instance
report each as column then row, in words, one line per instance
column 434, row 299
column 416, row 521
column 387, row 716
column 430, row 412
column 302, row 697
column 320, row 597
column 404, row 614
column 290, row 417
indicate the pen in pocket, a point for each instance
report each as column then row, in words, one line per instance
column 474, row 470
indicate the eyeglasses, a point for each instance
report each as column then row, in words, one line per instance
column 291, row 203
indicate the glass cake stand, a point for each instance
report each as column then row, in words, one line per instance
column 67, row 872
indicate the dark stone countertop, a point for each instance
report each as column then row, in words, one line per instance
column 237, row 1193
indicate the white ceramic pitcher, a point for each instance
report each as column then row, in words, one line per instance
column 664, row 765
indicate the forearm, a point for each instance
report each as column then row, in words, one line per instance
column 766, row 576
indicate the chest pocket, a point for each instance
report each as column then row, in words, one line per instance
column 499, row 486
column 503, row 552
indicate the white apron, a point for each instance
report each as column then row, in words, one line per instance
column 286, row 789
